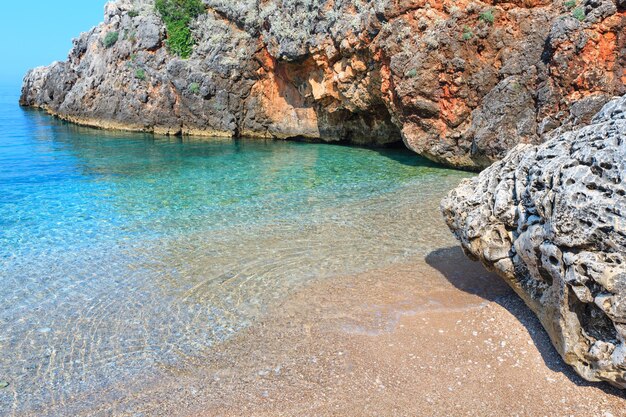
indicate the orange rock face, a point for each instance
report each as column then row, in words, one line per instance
column 460, row 82
column 466, row 81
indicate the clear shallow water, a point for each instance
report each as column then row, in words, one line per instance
column 123, row 254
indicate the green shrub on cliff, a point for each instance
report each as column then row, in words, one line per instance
column 411, row 73
column 579, row 14
column 467, row 33
column 194, row 88
column 110, row 39
column 177, row 16
column 140, row 74
column 570, row 4
column 487, row 17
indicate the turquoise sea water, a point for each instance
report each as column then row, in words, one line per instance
column 122, row 254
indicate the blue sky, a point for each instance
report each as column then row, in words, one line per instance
column 38, row 32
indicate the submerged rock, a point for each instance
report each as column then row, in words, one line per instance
column 459, row 82
column 551, row 220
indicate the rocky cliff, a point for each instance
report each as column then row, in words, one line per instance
column 551, row 220
column 460, row 82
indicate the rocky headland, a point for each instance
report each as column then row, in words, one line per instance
column 460, row 82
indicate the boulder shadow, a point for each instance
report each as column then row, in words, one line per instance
column 472, row 277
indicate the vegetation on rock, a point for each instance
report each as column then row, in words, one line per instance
column 579, row 14
column 467, row 33
column 140, row 74
column 110, row 39
column 570, row 4
column 177, row 16
column 194, row 88
column 487, row 17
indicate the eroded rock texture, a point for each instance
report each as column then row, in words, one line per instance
column 461, row 82
column 551, row 220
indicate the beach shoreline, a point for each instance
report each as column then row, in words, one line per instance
column 435, row 337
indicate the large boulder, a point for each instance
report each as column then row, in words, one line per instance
column 551, row 220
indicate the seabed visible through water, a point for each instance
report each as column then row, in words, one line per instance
column 122, row 255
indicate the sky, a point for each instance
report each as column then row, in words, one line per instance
column 38, row 32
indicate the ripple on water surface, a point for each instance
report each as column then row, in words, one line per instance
column 121, row 254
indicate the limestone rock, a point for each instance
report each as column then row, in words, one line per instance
column 454, row 87
column 551, row 220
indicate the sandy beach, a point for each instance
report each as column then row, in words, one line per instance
column 439, row 338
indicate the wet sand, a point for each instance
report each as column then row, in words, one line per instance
column 439, row 338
